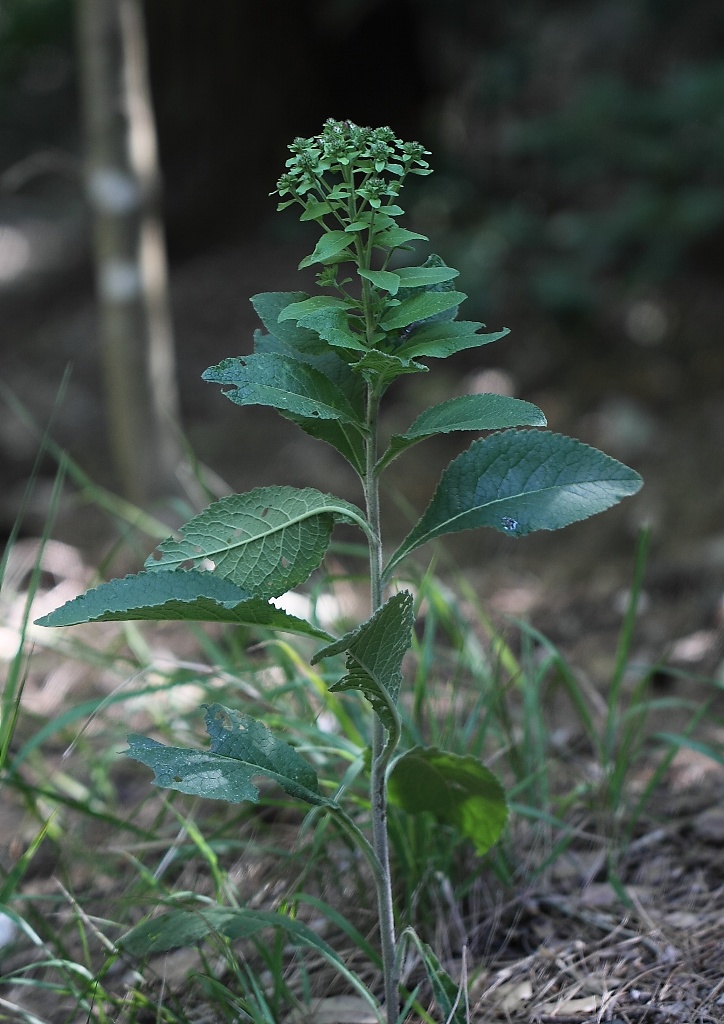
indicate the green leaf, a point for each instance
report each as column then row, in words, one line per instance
column 268, row 306
column 312, row 304
column 327, row 248
column 419, row 307
column 440, row 340
column 314, row 210
column 386, row 367
column 468, row 412
column 423, row 277
column 333, row 326
column 457, row 789
column 281, row 383
column 450, row 1001
column 391, row 238
column 374, row 656
column 241, row 749
column 189, row 596
column 266, row 541
column 519, row 481
column 383, row 279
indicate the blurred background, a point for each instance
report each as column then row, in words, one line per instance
column 578, row 150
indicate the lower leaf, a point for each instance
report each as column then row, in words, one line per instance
column 457, row 789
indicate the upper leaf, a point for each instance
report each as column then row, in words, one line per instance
column 176, row 596
column 393, row 238
column 440, row 340
column 329, row 246
column 241, row 749
column 310, row 305
column 423, row 277
column 281, row 383
column 383, row 279
column 467, row 412
column 419, row 307
column 266, row 541
column 459, row 790
column 518, row 481
column 374, row 656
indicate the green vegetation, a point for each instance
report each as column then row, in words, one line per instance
column 326, row 363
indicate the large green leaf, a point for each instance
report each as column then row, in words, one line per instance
column 518, row 481
column 440, row 340
column 374, row 656
column 189, row 596
column 281, row 383
column 265, row 541
column 467, row 412
column 241, row 749
column 420, row 307
column 457, row 789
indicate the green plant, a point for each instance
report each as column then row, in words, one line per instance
column 326, row 362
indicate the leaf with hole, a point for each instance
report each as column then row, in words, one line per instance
column 519, row 481
column 280, row 383
column 241, row 750
column 265, row 541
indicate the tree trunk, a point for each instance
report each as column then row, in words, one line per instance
column 123, row 185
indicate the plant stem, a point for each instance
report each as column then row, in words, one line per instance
column 378, row 789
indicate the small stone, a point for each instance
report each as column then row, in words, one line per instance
column 709, row 825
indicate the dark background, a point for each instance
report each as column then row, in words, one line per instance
column 579, row 187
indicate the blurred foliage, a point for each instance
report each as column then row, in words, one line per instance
column 580, row 145
column 585, row 147
column 36, row 76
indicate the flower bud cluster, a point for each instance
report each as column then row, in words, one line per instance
column 378, row 159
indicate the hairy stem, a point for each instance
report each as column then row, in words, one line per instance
column 378, row 790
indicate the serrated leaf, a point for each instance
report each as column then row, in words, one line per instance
column 241, row 749
column 391, row 238
column 374, row 656
column 311, row 304
column 189, row 596
column 467, row 412
column 281, row 383
column 333, row 326
column 423, row 277
column 265, row 541
column 419, row 307
column 457, row 789
column 440, row 340
column 327, row 248
column 518, row 481
column 386, row 367
column 383, row 279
